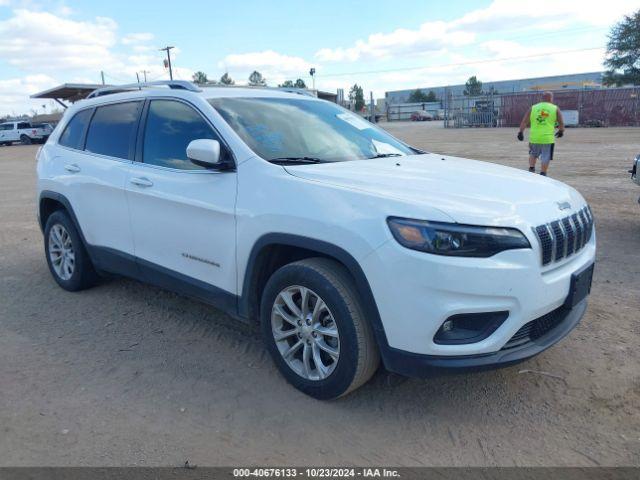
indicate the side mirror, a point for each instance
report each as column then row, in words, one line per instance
column 204, row 152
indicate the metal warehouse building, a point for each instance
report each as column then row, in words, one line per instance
column 558, row 82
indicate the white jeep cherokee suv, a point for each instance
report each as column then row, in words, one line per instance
column 347, row 245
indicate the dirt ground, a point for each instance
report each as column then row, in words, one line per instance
column 127, row 374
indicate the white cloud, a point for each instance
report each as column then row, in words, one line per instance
column 274, row 66
column 137, row 38
column 510, row 15
column 500, row 15
column 267, row 59
column 431, row 36
column 14, row 93
column 42, row 41
column 46, row 45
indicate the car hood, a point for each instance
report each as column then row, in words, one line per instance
column 468, row 191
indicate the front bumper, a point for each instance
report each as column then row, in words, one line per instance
column 416, row 292
column 417, row 365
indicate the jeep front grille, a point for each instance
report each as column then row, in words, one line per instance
column 565, row 236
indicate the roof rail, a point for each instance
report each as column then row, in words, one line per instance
column 298, row 91
column 172, row 84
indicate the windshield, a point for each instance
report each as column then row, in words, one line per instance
column 285, row 129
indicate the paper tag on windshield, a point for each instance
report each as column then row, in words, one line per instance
column 354, row 120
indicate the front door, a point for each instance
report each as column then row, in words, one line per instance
column 182, row 215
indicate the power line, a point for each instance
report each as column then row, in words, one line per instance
column 459, row 64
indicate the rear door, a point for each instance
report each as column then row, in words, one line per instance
column 98, row 146
column 182, row 215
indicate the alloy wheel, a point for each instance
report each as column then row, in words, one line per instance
column 61, row 253
column 305, row 332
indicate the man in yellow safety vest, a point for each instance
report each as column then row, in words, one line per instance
column 543, row 118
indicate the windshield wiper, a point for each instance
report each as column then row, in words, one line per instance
column 385, row 155
column 295, row 160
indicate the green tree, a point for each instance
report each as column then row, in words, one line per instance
column 200, row 78
column 226, row 79
column 623, row 52
column 356, row 96
column 299, row 83
column 418, row 96
column 473, row 87
column 256, row 79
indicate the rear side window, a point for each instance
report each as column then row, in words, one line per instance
column 113, row 130
column 24, row 125
column 74, row 131
column 170, row 127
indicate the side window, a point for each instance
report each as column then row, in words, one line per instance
column 23, row 125
column 112, row 130
column 72, row 135
column 170, row 127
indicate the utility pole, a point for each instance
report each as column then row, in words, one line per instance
column 372, row 109
column 167, row 49
column 102, row 75
column 144, row 72
column 138, row 77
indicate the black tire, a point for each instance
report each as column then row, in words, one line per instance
column 84, row 275
column 25, row 140
column 358, row 358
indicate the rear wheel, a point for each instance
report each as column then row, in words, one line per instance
column 67, row 258
column 313, row 326
column 25, row 140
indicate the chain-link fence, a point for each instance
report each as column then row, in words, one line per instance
column 610, row 107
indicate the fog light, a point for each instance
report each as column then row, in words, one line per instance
column 469, row 327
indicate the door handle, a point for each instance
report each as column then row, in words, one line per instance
column 141, row 182
column 72, row 168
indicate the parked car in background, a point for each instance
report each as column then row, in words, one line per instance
column 421, row 116
column 47, row 128
column 23, row 132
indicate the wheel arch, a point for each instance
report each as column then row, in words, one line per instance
column 50, row 202
column 274, row 250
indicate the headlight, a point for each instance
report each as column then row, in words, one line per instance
column 455, row 240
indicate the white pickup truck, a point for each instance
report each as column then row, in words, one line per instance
column 22, row 132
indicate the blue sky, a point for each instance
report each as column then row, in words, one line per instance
column 383, row 45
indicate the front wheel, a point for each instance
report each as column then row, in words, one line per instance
column 25, row 140
column 314, row 328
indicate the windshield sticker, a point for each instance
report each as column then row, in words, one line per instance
column 354, row 120
column 382, row 148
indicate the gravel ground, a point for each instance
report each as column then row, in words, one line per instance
column 127, row 374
